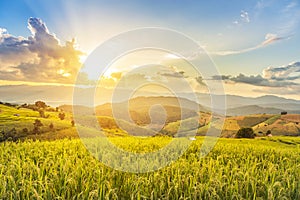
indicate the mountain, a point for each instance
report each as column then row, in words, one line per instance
column 254, row 109
column 144, row 110
column 251, row 109
column 84, row 110
column 283, row 106
column 56, row 95
column 233, row 101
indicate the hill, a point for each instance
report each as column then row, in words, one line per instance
column 254, row 109
column 278, row 124
column 144, row 110
column 17, row 123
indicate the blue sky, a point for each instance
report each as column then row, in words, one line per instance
column 243, row 37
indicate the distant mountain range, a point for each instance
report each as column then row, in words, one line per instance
column 254, row 109
column 236, row 105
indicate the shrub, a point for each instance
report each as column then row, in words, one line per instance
column 51, row 126
column 245, row 133
column 25, row 130
column 40, row 104
column 61, row 116
column 42, row 113
column 36, row 126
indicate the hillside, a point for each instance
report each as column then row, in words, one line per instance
column 277, row 124
column 251, row 109
column 18, row 123
column 143, row 110
column 254, row 109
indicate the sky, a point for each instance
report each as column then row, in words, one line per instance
column 253, row 44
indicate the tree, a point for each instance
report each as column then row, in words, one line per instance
column 61, row 116
column 42, row 113
column 245, row 133
column 268, row 132
column 25, row 130
column 40, row 104
column 73, row 122
column 51, row 126
column 36, row 126
column 2, row 136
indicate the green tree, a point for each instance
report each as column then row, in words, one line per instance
column 40, row 104
column 25, row 130
column 61, row 116
column 42, row 113
column 245, row 133
column 37, row 126
column 51, row 126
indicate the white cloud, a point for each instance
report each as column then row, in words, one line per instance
column 245, row 16
column 269, row 39
column 40, row 57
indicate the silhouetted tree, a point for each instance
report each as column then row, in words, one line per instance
column 51, row 126
column 245, row 133
column 36, row 126
column 42, row 113
column 2, row 136
column 40, row 104
column 73, row 123
column 61, row 116
column 25, row 130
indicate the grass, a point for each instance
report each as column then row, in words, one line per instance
column 266, row 168
column 21, row 118
column 272, row 119
column 250, row 121
column 262, row 168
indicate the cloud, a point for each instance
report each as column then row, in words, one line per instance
column 269, row 39
column 287, row 72
column 199, row 80
column 116, row 75
column 245, row 16
column 173, row 74
column 221, row 77
column 258, row 80
column 273, row 77
column 285, row 23
column 38, row 58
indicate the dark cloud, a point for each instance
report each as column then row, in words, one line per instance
column 220, row 77
column 258, row 80
column 40, row 57
column 173, row 74
column 287, row 72
column 199, row 80
column 273, row 77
